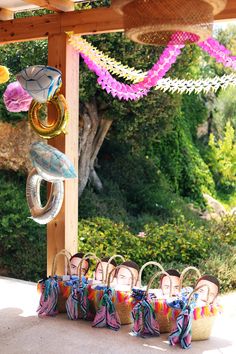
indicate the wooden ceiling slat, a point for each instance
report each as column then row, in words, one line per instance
column 54, row 5
column 6, row 15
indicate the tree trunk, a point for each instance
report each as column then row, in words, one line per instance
column 93, row 131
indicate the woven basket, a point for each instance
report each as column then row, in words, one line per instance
column 145, row 266
column 108, row 263
column 154, row 22
column 185, row 271
column 122, row 299
column 160, row 306
column 202, row 326
column 64, row 290
column 203, row 318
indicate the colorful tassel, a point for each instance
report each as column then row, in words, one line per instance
column 145, row 323
column 107, row 316
column 49, row 298
column 77, row 304
column 182, row 332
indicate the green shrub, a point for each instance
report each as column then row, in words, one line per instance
column 22, row 241
column 180, row 241
column 226, row 229
column 105, row 237
column 222, row 264
column 175, row 245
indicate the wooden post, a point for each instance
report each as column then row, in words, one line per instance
column 62, row 232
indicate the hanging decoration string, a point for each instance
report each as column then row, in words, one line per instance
column 91, row 53
column 196, row 86
column 140, row 89
column 219, row 52
column 165, row 84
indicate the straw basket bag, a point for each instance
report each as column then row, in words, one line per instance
column 162, row 311
column 158, row 265
column 109, row 261
column 203, row 319
column 96, row 288
column 204, row 316
column 184, row 273
column 64, row 291
column 122, row 299
column 159, row 305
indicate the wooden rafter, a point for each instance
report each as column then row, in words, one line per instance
column 229, row 12
column 93, row 21
column 55, row 5
column 6, row 15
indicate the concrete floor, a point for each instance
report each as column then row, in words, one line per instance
column 21, row 331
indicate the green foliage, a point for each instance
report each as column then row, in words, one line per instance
column 143, row 188
column 22, row 241
column 222, row 264
column 223, row 157
column 179, row 241
column 16, row 57
column 177, row 244
column 224, row 110
column 226, row 229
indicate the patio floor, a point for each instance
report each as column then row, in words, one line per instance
column 21, row 331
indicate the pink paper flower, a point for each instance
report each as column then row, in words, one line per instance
column 16, row 99
column 141, row 234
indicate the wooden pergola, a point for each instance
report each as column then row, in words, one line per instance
column 62, row 232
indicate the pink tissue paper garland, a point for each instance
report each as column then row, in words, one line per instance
column 158, row 71
column 219, row 52
column 16, row 99
column 140, row 89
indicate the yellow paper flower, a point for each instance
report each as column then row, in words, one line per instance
column 4, row 74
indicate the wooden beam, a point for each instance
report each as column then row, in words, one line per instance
column 229, row 12
column 6, row 15
column 93, row 21
column 62, row 232
column 54, row 5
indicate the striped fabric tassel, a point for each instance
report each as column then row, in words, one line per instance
column 182, row 332
column 49, row 298
column 77, row 304
column 145, row 323
column 72, row 304
column 107, row 316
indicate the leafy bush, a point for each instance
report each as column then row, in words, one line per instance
column 222, row 264
column 177, row 244
column 226, row 229
column 223, row 157
column 180, row 241
column 22, row 241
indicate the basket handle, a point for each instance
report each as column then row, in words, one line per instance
column 115, row 270
column 89, row 256
column 154, row 277
column 108, row 263
column 144, row 266
column 196, row 289
column 185, row 271
column 64, row 253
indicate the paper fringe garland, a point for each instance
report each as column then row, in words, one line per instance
column 93, row 56
column 140, row 89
